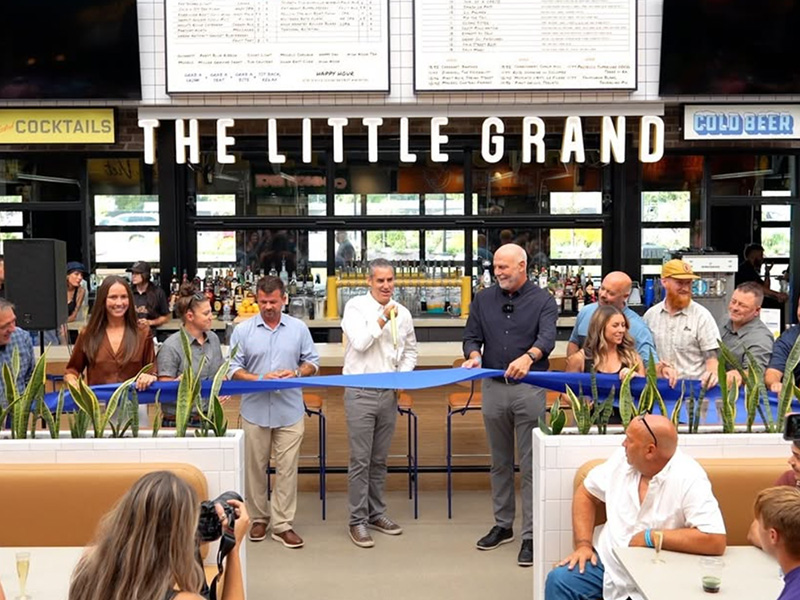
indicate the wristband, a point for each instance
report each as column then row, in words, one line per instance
column 384, row 318
column 647, row 539
column 297, row 372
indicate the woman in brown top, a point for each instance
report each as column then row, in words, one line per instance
column 113, row 347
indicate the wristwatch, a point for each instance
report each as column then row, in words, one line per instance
column 297, row 372
column 384, row 318
column 531, row 355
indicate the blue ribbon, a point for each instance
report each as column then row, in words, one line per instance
column 416, row 380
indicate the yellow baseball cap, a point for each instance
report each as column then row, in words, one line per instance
column 677, row 269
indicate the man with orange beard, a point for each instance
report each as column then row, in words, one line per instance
column 685, row 333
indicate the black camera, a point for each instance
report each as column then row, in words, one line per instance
column 791, row 427
column 209, row 527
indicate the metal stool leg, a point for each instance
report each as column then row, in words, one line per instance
column 416, row 468
column 449, row 457
column 323, row 452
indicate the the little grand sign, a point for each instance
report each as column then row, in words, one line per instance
column 533, row 130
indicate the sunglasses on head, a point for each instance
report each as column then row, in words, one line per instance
column 655, row 439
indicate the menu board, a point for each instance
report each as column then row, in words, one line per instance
column 549, row 45
column 215, row 46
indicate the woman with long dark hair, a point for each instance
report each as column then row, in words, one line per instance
column 609, row 347
column 146, row 547
column 113, row 347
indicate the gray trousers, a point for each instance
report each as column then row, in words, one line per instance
column 509, row 410
column 371, row 419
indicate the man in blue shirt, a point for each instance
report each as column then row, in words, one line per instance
column 272, row 345
column 614, row 291
column 773, row 377
column 12, row 338
column 777, row 510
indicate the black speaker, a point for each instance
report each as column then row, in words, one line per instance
column 36, row 282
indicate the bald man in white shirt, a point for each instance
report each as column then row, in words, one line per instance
column 380, row 339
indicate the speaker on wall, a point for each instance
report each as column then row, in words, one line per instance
column 36, row 282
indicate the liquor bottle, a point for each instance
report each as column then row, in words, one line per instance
column 292, row 289
column 486, row 278
column 543, row 278
column 284, row 274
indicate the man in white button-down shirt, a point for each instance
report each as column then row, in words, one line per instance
column 380, row 338
column 652, row 492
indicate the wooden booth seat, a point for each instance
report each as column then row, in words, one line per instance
column 61, row 504
column 735, row 481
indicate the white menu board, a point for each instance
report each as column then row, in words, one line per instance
column 215, row 46
column 496, row 45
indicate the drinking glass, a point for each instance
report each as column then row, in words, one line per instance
column 23, row 564
column 658, row 541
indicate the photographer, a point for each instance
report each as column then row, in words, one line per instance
column 146, row 547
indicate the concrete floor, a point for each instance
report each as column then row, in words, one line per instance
column 434, row 559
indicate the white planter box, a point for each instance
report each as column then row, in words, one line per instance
column 220, row 459
column 556, row 458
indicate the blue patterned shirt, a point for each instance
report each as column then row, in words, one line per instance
column 21, row 340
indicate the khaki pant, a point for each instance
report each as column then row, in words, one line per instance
column 283, row 444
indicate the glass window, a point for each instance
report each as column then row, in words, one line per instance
column 9, row 235
column 750, row 174
column 52, row 178
column 10, row 218
column 126, row 211
column 126, row 246
column 546, row 248
column 441, row 245
column 666, row 206
column 254, row 187
column 776, row 241
column 213, row 205
column 776, row 212
column 393, row 245
column 576, row 203
column 576, row 243
column 656, row 243
column 389, row 187
column 444, row 204
column 216, row 247
column 510, row 187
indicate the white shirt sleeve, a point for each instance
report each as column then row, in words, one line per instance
column 408, row 360
column 700, row 507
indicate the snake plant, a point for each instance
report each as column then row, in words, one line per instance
column 188, row 387
column 20, row 404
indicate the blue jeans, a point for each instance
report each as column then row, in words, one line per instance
column 563, row 584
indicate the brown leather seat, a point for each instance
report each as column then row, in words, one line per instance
column 312, row 401
column 735, row 482
column 61, row 504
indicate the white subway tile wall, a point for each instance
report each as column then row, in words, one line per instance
column 557, row 458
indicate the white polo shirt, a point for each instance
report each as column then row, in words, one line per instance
column 679, row 496
column 683, row 338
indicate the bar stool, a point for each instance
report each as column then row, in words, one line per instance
column 405, row 407
column 313, row 404
column 458, row 403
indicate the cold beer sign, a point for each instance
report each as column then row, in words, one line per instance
column 741, row 122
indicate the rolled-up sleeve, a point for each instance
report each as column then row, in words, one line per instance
column 308, row 350
column 473, row 331
column 546, row 335
column 701, row 509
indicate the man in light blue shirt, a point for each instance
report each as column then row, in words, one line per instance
column 272, row 345
column 614, row 290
